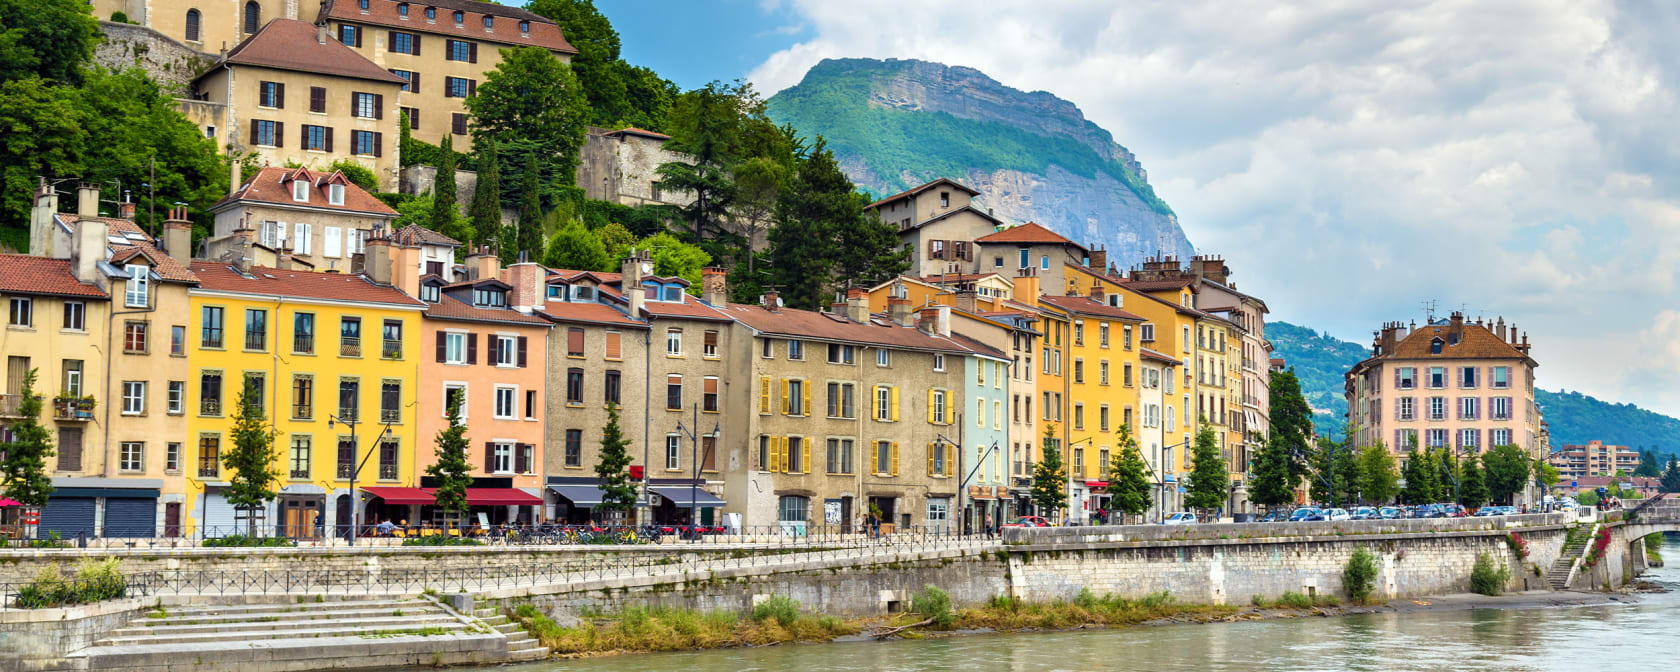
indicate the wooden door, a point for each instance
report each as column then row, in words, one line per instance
column 172, row 519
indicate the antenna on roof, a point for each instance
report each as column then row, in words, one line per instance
column 1429, row 311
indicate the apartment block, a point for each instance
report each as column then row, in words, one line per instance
column 1595, row 458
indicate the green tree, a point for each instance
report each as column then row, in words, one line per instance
column 486, row 208
column 597, row 45
column 673, row 257
column 1336, row 472
column 1472, row 490
column 616, row 240
column 1291, row 420
column 1209, row 483
column 1545, row 475
column 822, row 237
column 1506, row 470
column 532, row 105
column 574, row 247
column 759, row 183
column 528, row 240
column 1421, row 481
column 618, row 492
column 446, row 217
column 1378, row 480
column 1271, row 484
column 1648, row 465
column 1128, row 481
column 1670, row 477
column 707, row 130
column 49, row 39
column 23, row 460
column 358, row 174
column 252, row 458
column 1049, row 484
column 450, row 472
column 1448, row 474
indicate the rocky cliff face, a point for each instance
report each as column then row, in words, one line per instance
column 1034, row 157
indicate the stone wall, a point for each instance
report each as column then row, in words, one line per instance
column 37, row 639
column 171, row 63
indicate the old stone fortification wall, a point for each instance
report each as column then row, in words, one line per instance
column 172, row 64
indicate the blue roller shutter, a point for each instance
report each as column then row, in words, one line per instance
column 130, row 517
column 68, row 516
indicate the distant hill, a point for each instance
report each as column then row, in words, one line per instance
column 894, row 124
column 1320, row 360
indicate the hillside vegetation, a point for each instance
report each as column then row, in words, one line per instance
column 1320, row 360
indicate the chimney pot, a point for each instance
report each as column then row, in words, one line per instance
column 772, row 300
column 899, row 310
column 714, row 286
column 87, row 200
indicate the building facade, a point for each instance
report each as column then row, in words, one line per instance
column 318, row 220
column 1595, row 458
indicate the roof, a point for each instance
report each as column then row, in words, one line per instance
column 414, row 234
column 1031, row 233
column 956, row 211
column 167, row 267
column 587, row 313
column 453, row 309
column 690, row 308
column 1146, row 353
column 827, row 327
column 924, row 187
column 289, row 44
column 220, row 277
column 543, row 32
column 1158, row 285
column 632, row 130
column 1475, row 342
column 1085, row 305
column 42, row 276
column 272, row 185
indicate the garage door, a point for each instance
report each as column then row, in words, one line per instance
column 218, row 517
column 130, row 517
column 68, row 516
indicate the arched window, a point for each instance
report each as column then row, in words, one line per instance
column 192, row 25
column 253, row 16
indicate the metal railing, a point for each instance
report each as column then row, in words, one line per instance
column 349, row 346
column 74, row 591
column 303, row 343
column 391, row 349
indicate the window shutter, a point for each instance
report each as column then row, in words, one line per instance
column 805, row 457
column 413, row 87
column 329, row 139
column 930, row 416
column 785, row 387
column 574, row 340
column 805, row 400
column 489, row 457
column 416, row 41
column 472, row 348
column 519, row 465
column 253, row 131
column 894, row 458
column 492, row 347
column 472, row 53
column 358, row 34
column 931, row 255
column 1396, row 377
column 521, row 352
column 930, row 447
column 280, row 95
column 763, row 395
column 875, row 402
column 442, row 346
column 775, row 453
column 317, row 99
column 894, row 400
column 875, row 458
column 378, row 110
column 279, row 134
column 613, row 347
column 472, row 85
column 378, row 144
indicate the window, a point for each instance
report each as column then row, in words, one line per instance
column 1435, row 438
column 883, row 403
column 1499, row 437
column 1026, row 257
column 709, row 394
column 1437, row 408
column 673, row 452
column 365, row 143
column 574, row 448
column 793, row 462
column 612, row 386
column 506, row 403
column 431, row 13
column 505, row 350
column 840, row 401
column 300, row 456
column 1501, row 378
column 1467, row 377
column 457, row 87
column 193, row 19
column 525, row 27
column 349, row 398
column 254, row 382
column 458, row 123
column 303, row 332
column 1078, row 370
column 673, row 342
column 431, row 293
column 1499, row 408
column 1407, row 408
column 574, row 386
column 314, row 139
column 458, row 50
column 211, row 337
column 574, row 342
column 209, row 455
column 177, row 397
column 391, row 340
column 388, row 459
column 793, row 508
column 614, row 350
column 403, row 43
column 459, row 16
column 23, row 312
column 256, row 329
column 349, row 35
column 1079, row 332
column 303, row 397
column 796, row 349
column 839, row 456
column 885, row 461
column 133, row 397
column 938, row 362
column 500, row 458
column 1102, row 417
column 390, row 401
column 1044, row 262
column 210, row 393
column 1437, row 377
column 75, row 316
column 937, row 408
column 883, row 357
column 839, row 354
column 455, row 348
column 793, row 397
column 271, row 94
column 939, row 462
column 489, row 22
column 265, row 132
column 1078, row 415
column 1469, row 408
column 709, row 344
column 1406, row 377
column 413, row 113
column 364, row 105
column 172, row 456
column 135, row 293
column 134, row 336
column 767, row 348
column 673, row 392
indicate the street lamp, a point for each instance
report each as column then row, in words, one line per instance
column 694, row 484
column 355, row 501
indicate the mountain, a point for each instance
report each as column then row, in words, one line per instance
column 894, row 124
column 1319, row 360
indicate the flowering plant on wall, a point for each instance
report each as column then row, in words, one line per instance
column 1518, row 544
column 1601, row 543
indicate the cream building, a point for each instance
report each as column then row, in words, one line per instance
column 319, row 220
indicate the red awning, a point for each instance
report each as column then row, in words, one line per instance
column 8, row 502
column 1096, row 484
column 395, row 495
column 501, row 497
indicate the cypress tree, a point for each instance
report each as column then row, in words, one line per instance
column 529, row 235
column 618, row 492
column 1271, row 484
column 1209, row 483
column 1472, row 489
column 450, row 471
column 443, row 193
column 23, row 460
column 487, row 196
column 252, row 458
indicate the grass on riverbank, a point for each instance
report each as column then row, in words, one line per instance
column 1007, row 613
column 663, row 629
column 1293, row 600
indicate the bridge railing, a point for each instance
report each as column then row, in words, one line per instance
column 1168, row 533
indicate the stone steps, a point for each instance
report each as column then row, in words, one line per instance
column 277, row 629
column 522, row 647
column 1557, row 576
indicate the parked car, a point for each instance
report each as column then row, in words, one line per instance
column 1028, row 521
column 1489, row 511
column 1391, row 513
column 1274, row 516
column 1303, row 513
column 1453, row 511
column 1337, row 514
column 1180, row 518
column 1364, row 513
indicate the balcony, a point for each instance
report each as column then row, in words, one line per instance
column 387, row 471
column 347, row 414
column 303, row 344
column 390, row 415
column 255, row 341
column 210, row 407
column 73, row 409
column 350, row 346
column 11, row 405
column 344, row 469
column 391, row 349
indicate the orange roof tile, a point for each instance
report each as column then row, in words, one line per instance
column 505, row 21
column 924, row 187
column 41, row 276
column 1474, row 342
column 1085, row 305
column 1159, row 357
column 219, row 276
column 826, row 327
column 589, row 313
column 289, row 44
column 451, row 308
column 1031, row 233
column 273, row 184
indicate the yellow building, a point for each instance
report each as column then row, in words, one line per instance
column 1102, row 383
column 336, row 359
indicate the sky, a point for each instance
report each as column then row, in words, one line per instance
column 1350, row 160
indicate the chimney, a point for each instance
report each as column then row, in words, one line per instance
column 177, row 235
column 1026, row 285
column 899, row 309
column 376, row 265
column 234, row 173
column 125, row 211
column 1098, row 294
column 405, row 266
column 1499, row 328
column 243, row 237
column 1455, row 328
column 1390, row 335
column 283, row 259
column 968, row 300
column 772, row 301
column 934, row 320
column 41, row 225
column 87, row 200
column 632, row 269
column 87, row 248
column 1098, row 260
column 857, row 305
column 483, row 265
column 714, row 286
column 527, row 280
column 321, row 34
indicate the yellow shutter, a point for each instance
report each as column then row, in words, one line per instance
column 931, row 418
column 894, row 395
column 930, row 448
column 894, row 471
column 779, row 453
column 874, row 402
column 805, row 456
column 764, row 395
column 805, row 398
column 785, row 386
column 951, row 463
column 874, row 458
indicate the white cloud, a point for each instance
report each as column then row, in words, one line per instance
column 1355, row 159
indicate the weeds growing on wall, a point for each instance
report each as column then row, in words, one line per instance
column 1489, row 577
column 95, row 580
column 1359, row 576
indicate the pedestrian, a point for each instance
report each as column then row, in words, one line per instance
column 988, row 525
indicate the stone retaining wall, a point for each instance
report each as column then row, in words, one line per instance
column 38, row 639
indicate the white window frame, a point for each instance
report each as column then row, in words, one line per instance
column 512, row 394
column 504, row 457
column 302, row 235
column 938, row 362
column 332, row 241
column 939, row 509
column 796, row 349
column 883, row 357
column 335, row 194
column 137, row 290
column 134, row 397
column 79, row 309
column 300, row 191
column 135, row 462
column 465, row 397
column 452, row 339
column 673, row 342
column 673, row 452
column 177, row 397
column 21, row 306
column 507, row 350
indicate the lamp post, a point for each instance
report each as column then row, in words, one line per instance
column 694, row 484
column 356, row 468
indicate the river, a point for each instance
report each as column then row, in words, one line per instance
column 1616, row 636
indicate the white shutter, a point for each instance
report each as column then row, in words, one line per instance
column 354, row 244
column 305, row 239
column 280, row 235
column 332, row 244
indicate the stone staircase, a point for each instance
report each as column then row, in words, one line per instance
column 521, row 646
column 1557, row 576
column 306, row 635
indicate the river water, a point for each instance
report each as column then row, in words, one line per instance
column 1616, row 636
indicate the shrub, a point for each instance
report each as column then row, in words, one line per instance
column 935, row 605
column 95, row 580
column 1488, row 579
column 439, row 540
column 779, row 608
column 1360, row 575
column 1294, row 600
column 1600, row 544
column 243, row 541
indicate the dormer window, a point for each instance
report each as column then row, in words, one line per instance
column 362, row 4
column 431, row 13
column 139, row 278
column 431, row 293
column 555, row 292
column 490, row 298
column 335, row 194
column 489, row 22
column 583, row 294
column 673, row 294
column 524, row 27
column 1435, row 345
column 460, row 17
column 402, row 9
column 300, row 191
